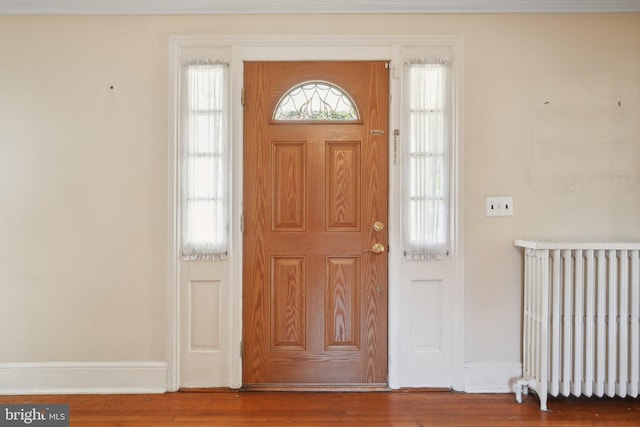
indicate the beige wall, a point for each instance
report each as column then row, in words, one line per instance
column 83, row 169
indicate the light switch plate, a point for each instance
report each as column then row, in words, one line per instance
column 499, row 206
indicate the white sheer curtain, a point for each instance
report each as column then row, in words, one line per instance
column 205, row 161
column 426, row 195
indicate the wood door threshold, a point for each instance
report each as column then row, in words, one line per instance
column 350, row 388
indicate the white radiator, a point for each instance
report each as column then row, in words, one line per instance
column 581, row 320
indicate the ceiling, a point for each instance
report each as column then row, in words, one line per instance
column 177, row 7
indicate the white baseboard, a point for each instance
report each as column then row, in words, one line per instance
column 151, row 377
column 83, row 378
column 496, row 377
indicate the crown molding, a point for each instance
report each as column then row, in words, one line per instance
column 199, row 7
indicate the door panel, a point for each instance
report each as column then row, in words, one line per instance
column 342, row 303
column 315, row 296
column 287, row 182
column 343, row 186
column 288, row 303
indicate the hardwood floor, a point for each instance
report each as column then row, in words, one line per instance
column 394, row 409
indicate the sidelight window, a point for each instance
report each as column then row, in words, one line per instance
column 426, row 204
column 205, row 161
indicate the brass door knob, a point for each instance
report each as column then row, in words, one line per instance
column 377, row 248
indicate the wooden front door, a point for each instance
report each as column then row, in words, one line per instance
column 315, row 294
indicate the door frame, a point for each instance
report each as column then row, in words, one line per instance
column 301, row 48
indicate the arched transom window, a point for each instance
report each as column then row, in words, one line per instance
column 316, row 100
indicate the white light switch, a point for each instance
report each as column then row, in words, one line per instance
column 499, row 206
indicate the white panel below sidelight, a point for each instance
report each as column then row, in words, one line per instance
column 425, row 332
column 205, row 310
column 426, row 317
column 205, row 348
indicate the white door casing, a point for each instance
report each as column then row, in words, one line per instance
column 204, row 319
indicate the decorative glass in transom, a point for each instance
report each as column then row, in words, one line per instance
column 316, row 100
